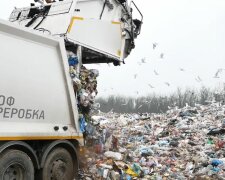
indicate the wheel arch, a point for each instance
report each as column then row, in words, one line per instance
column 70, row 146
column 22, row 146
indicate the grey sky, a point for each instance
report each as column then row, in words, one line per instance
column 190, row 33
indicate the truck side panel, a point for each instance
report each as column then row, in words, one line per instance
column 36, row 91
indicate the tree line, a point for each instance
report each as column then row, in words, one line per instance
column 154, row 103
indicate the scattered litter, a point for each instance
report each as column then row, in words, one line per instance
column 186, row 143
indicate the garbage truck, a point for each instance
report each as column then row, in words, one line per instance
column 40, row 134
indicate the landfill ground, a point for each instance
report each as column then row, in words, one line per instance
column 186, row 143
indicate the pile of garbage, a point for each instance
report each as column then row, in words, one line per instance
column 186, row 143
column 84, row 83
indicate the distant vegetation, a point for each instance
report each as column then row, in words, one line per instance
column 153, row 103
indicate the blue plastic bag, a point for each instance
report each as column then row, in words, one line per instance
column 73, row 60
column 82, row 124
column 216, row 162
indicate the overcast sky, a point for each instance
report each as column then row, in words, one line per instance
column 190, row 33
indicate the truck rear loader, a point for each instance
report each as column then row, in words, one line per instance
column 40, row 134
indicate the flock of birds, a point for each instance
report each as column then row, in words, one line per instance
column 162, row 56
column 156, row 73
column 143, row 61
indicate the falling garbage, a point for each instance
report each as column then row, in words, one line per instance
column 85, row 87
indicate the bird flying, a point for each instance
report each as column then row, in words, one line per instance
column 154, row 45
column 198, row 79
column 168, row 84
column 162, row 55
column 156, row 73
column 218, row 72
column 150, row 86
column 181, row 69
column 143, row 60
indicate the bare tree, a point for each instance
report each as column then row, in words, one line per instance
column 153, row 103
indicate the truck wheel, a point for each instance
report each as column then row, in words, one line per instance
column 16, row 165
column 58, row 166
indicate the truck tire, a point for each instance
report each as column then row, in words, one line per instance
column 58, row 166
column 16, row 165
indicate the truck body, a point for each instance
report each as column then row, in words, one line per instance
column 40, row 132
column 104, row 28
